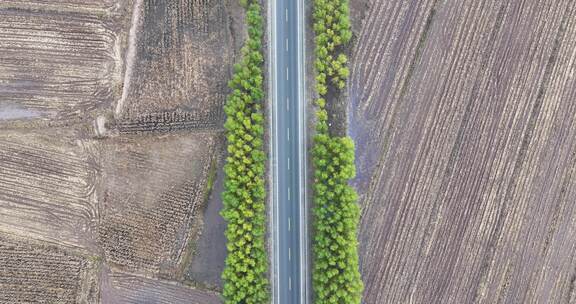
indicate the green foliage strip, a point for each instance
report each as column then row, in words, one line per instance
column 246, row 270
column 335, row 275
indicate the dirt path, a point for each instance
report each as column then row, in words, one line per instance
column 130, row 54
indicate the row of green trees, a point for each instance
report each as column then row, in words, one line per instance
column 246, row 270
column 335, row 276
column 332, row 30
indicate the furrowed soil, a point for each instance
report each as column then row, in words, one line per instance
column 59, row 59
column 47, row 187
column 463, row 113
column 131, row 289
column 111, row 140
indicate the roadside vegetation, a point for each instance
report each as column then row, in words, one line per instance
column 335, row 276
column 246, row 271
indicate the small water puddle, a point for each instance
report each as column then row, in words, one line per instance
column 9, row 112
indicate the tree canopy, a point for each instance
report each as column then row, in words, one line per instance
column 335, row 276
column 246, row 271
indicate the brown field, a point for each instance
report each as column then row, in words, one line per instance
column 152, row 190
column 31, row 272
column 59, row 58
column 110, row 135
column 183, row 58
column 129, row 289
column 464, row 117
column 47, row 187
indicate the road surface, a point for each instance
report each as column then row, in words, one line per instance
column 288, row 150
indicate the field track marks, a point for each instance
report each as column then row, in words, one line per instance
column 46, row 191
column 57, row 63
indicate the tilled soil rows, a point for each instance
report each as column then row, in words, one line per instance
column 464, row 117
column 58, row 59
column 47, row 187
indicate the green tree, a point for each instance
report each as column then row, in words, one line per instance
column 245, row 273
column 335, row 274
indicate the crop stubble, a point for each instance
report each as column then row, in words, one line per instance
column 152, row 190
column 467, row 108
column 182, row 67
column 128, row 200
column 31, row 272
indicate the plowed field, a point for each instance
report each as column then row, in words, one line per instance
column 58, row 59
column 47, row 187
column 464, row 116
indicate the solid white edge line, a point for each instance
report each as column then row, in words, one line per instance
column 272, row 112
column 303, row 159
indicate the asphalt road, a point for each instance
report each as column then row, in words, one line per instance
column 288, row 161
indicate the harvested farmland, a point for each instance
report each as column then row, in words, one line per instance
column 465, row 114
column 182, row 62
column 112, row 118
column 130, row 289
column 37, row 273
column 152, row 189
column 58, row 59
column 46, row 187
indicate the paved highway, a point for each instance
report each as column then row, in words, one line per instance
column 288, row 150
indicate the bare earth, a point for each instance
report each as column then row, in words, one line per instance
column 130, row 289
column 110, row 130
column 464, row 116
